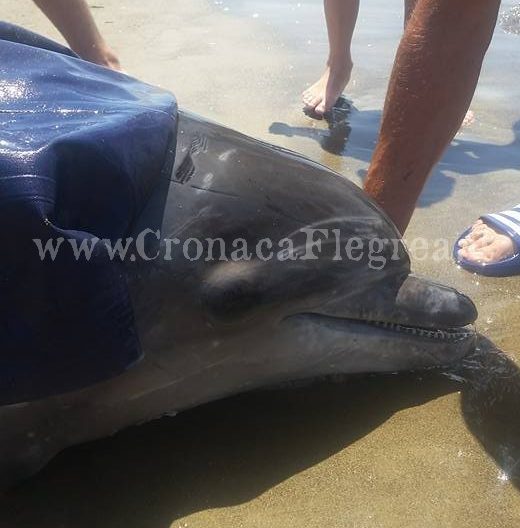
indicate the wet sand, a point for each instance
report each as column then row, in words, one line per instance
column 421, row 450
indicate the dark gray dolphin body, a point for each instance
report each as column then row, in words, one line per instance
column 211, row 327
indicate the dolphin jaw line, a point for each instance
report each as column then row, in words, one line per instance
column 452, row 335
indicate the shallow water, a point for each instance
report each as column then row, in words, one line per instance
column 418, row 450
column 478, row 174
column 510, row 20
column 446, row 458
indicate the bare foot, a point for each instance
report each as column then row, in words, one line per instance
column 484, row 244
column 321, row 96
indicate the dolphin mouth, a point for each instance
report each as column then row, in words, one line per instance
column 450, row 335
column 446, row 335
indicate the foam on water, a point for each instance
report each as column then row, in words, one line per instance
column 510, row 20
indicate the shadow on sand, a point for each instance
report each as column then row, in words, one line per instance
column 231, row 451
column 353, row 133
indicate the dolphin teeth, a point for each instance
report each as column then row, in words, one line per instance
column 451, row 335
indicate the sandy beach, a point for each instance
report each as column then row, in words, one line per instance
column 398, row 451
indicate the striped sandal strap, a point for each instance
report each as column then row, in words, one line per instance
column 507, row 221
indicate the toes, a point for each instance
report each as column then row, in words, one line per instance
column 308, row 101
column 479, row 256
column 485, row 245
column 321, row 109
column 465, row 254
column 314, row 95
column 314, row 102
column 471, row 238
column 480, row 226
column 473, row 256
column 308, row 93
column 477, row 233
column 482, row 242
column 326, row 105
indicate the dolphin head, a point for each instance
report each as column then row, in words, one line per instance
column 277, row 268
column 293, row 286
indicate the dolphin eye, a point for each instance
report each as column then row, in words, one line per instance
column 232, row 300
column 232, row 290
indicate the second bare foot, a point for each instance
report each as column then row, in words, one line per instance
column 322, row 95
column 486, row 245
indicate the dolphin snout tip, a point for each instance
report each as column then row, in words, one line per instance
column 466, row 311
column 430, row 304
column 450, row 308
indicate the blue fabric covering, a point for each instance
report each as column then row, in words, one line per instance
column 81, row 149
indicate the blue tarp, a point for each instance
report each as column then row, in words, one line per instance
column 81, row 149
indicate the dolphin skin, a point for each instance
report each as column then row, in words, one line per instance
column 240, row 265
column 213, row 327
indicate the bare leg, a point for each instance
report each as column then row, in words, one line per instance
column 409, row 6
column 75, row 22
column 341, row 18
column 435, row 75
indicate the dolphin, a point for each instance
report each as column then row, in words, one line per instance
column 290, row 307
column 243, row 265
